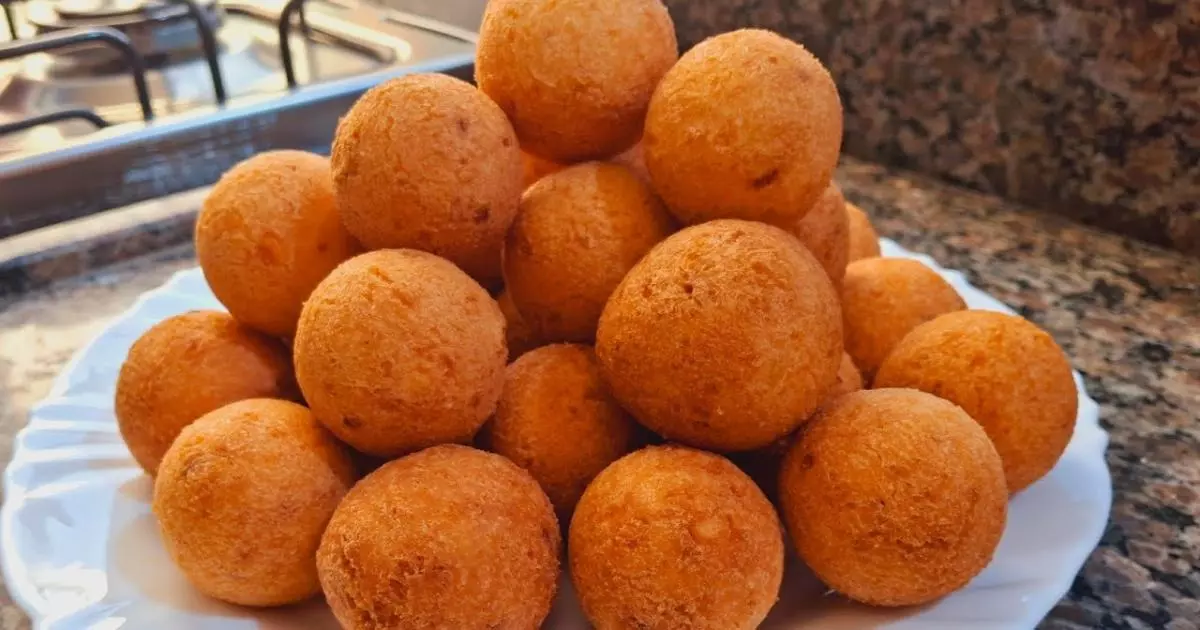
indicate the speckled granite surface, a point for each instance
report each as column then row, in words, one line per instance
column 1127, row 313
column 1088, row 108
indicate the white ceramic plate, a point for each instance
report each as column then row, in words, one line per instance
column 81, row 549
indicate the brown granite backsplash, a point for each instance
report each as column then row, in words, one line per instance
column 1086, row 108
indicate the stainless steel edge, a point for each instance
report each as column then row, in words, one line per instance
column 433, row 26
column 125, row 165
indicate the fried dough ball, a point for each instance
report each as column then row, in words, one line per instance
column 267, row 234
column 670, row 537
column 763, row 464
column 1007, row 373
column 243, row 497
column 825, row 231
column 577, row 234
column 557, row 420
column 849, row 379
column 885, row 298
column 186, row 366
column 450, row 537
column 726, row 336
column 574, row 76
column 534, row 168
column 864, row 240
column 428, row 162
column 398, row 350
column 519, row 337
column 893, row 497
column 747, row 125
column 634, row 159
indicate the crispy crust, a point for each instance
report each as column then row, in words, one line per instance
column 519, row 337
column 674, row 538
column 574, row 76
column 577, row 234
column 747, row 125
column 557, row 420
column 268, row 233
column 893, row 497
column 534, row 168
column 634, row 159
column 885, row 298
column 186, row 366
column 726, row 336
column 825, row 231
column 428, row 162
column 864, row 240
column 243, row 497
column 450, row 537
column 763, row 464
column 398, row 350
column 1007, row 373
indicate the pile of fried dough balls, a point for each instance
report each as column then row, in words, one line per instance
column 571, row 308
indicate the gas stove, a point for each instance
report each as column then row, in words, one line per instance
column 104, row 103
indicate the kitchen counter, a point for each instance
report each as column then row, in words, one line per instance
column 1128, row 314
column 1081, row 108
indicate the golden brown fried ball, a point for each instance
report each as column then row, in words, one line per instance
column 864, row 240
column 726, row 336
column 747, row 125
column 574, row 76
column 243, row 497
column 534, row 168
column 186, row 366
column 634, row 159
column 519, row 337
column 577, row 234
column 268, row 233
column 893, row 497
column 1007, row 373
column 849, row 379
column 670, row 537
column 825, row 231
column 450, row 537
column 883, row 299
column 557, row 420
column 763, row 464
column 398, row 350
column 428, row 162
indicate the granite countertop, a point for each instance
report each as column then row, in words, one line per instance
column 1128, row 314
column 1083, row 108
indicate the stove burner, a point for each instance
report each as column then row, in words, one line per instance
column 161, row 30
